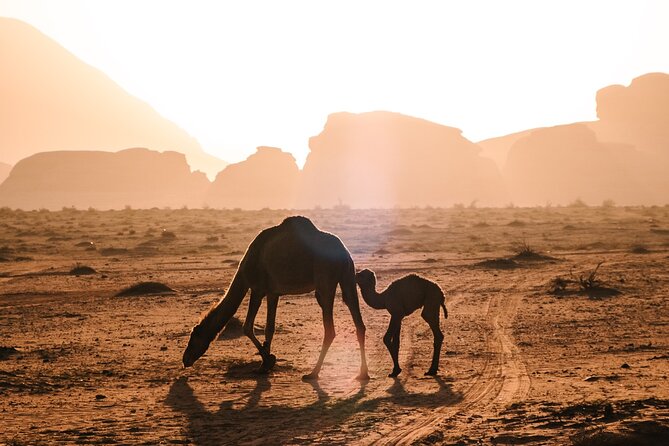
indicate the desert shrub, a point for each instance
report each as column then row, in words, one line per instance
column 578, row 203
column 168, row 235
column 113, row 251
column 145, row 288
column 81, row 270
column 523, row 249
column 608, row 203
column 583, row 284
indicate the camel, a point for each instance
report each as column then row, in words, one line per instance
column 401, row 298
column 294, row 257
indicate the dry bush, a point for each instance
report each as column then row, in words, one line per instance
column 81, row 270
column 168, row 235
column 583, row 284
column 146, row 288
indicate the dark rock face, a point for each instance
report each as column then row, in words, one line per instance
column 267, row 179
column 51, row 100
column 140, row 178
column 383, row 159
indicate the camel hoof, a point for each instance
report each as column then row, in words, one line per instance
column 310, row 377
column 268, row 363
column 394, row 373
column 362, row 377
column 431, row 372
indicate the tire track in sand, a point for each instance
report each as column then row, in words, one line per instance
column 502, row 381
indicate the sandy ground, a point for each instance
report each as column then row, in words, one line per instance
column 524, row 361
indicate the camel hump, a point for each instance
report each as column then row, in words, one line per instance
column 429, row 285
column 298, row 222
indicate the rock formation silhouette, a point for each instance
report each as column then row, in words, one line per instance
column 139, row 178
column 51, row 100
column 637, row 115
column 623, row 156
column 4, row 171
column 561, row 164
column 267, row 179
column 384, row 159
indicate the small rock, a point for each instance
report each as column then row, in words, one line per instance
column 100, row 396
column 163, row 348
column 625, row 366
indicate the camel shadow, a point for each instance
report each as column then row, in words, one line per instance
column 246, row 420
column 444, row 396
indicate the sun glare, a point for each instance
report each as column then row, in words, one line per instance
column 244, row 74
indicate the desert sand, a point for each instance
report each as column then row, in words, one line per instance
column 539, row 347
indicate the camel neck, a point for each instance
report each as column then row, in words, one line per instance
column 226, row 307
column 372, row 298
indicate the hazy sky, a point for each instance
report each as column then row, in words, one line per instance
column 240, row 74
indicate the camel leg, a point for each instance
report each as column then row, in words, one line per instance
column 254, row 305
column 431, row 316
column 326, row 301
column 272, row 303
column 392, row 341
column 351, row 301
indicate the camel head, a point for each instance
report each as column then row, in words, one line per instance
column 197, row 344
column 365, row 278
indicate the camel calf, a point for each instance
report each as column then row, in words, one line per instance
column 402, row 297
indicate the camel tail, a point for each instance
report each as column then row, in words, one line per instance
column 443, row 305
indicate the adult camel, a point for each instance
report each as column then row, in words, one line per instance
column 294, row 257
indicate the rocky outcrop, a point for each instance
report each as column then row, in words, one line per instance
column 383, row 159
column 139, row 178
column 497, row 149
column 637, row 115
column 51, row 100
column 561, row 164
column 623, row 156
column 4, row 171
column 267, row 179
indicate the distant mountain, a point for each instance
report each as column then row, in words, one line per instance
column 622, row 156
column 4, row 171
column 384, row 159
column 636, row 115
column 51, row 100
column 268, row 178
column 497, row 149
column 561, row 164
column 139, row 178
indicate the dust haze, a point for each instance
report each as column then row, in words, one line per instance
column 518, row 293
